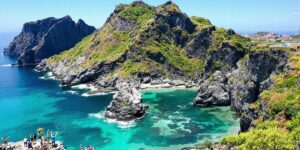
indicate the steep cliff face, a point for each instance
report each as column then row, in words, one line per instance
column 44, row 38
column 273, row 120
column 241, row 86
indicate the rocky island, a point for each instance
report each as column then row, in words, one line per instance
column 47, row 37
column 142, row 46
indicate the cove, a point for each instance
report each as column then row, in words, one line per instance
column 28, row 101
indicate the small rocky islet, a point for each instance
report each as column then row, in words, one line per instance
column 141, row 46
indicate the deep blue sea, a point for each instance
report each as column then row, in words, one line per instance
column 28, row 101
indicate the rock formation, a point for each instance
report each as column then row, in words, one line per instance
column 44, row 38
column 214, row 91
column 126, row 104
column 242, row 86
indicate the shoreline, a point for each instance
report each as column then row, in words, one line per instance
column 19, row 145
column 94, row 90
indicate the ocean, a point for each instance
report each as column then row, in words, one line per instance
column 30, row 100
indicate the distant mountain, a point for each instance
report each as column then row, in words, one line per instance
column 44, row 38
column 262, row 33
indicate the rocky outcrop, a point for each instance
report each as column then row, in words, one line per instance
column 214, row 91
column 297, row 147
column 242, row 86
column 246, row 81
column 225, row 59
column 44, row 38
column 200, row 43
column 126, row 104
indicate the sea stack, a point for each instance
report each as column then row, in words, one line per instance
column 44, row 38
column 126, row 104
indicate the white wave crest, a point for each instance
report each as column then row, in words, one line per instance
column 120, row 124
column 71, row 92
column 48, row 76
column 7, row 65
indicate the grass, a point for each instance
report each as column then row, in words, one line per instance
column 200, row 20
column 141, row 14
column 165, row 9
column 131, row 68
column 109, row 51
column 221, row 35
column 74, row 52
column 175, row 56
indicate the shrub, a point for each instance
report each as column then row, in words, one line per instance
column 207, row 144
column 258, row 139
column 218, row 64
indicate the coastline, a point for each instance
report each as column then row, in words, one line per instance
column 19, row 145
column 94, row 90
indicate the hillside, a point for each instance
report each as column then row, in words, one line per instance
column 143, row 41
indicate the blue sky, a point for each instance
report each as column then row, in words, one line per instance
column 240, row 15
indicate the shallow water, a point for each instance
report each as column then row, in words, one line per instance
column 28, row 102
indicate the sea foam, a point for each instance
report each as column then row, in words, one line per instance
column 120, row 124
column 7, row 65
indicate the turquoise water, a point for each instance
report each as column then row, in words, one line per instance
column 28, row 102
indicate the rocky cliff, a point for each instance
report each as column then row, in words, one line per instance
column 241, row 86
column 44, row 38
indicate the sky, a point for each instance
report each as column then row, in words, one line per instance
column 241, row 15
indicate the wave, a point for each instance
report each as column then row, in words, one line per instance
column 7, row 65
column 71, row 92
column 120, row 124
column 90, row 94
column 82, row 87
column 87, row 94
column 48, row 76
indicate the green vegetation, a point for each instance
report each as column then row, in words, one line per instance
column 107, row 52
column 206, row 144
column 200, row 20
column 201, row 23
column 74, row 52
column 131, row 68
column 221, row 35
column 218, row 64
column 140, row 14
column 271, row 138
column 175, row 56
column 164, row 10
column 283, row 102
